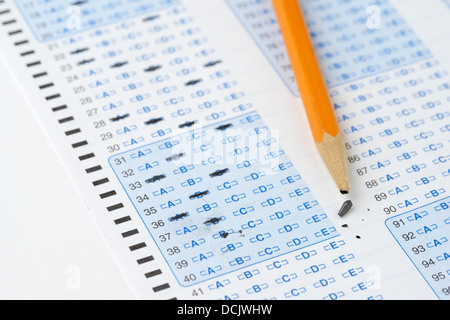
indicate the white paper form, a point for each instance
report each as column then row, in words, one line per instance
column 186, row 137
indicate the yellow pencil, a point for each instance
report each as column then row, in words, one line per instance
column 327, row 135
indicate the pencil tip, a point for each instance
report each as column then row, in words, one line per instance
column 333, row 152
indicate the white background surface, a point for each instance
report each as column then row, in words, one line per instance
column 50, row 247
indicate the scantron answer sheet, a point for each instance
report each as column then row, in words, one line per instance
column 181, row 125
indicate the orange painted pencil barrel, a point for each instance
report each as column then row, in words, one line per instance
column 324, row 126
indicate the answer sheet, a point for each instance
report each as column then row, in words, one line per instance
column 182, row 127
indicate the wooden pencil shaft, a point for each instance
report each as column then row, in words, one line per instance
column 306, row 69
column 329, row 140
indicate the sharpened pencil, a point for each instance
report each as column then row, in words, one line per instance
column 327, row 135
